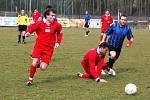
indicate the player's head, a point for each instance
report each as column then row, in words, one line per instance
column 123, row 20
column 86, row 12
column 103, row 48
column 35, row 10
column 22, row 12
column 50, row 15
column 107, row 12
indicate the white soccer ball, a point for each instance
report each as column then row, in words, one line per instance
column 130, row 88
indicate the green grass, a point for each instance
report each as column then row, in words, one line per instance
column 58, row 81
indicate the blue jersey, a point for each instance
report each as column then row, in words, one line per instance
column 87, row 18
column 117, row 35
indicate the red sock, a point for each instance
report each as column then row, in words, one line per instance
column 32, row 71
column 101, row 37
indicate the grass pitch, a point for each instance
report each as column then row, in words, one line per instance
column 58, row 82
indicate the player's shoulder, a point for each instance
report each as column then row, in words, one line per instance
column 57, row 24
column 40, row 23
column 127, row 26
column 93, row 50
column 19, row 15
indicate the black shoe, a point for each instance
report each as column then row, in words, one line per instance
column 19, row 42
column 23, row 42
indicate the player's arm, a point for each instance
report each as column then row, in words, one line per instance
column 33, row 27
column 18, row 20
column 101, row 63
column 28, row 21
column 130, row 38
column 92, row 67
column 59, row 35
column 110, row 20
column 107, row 33
column 102, row 19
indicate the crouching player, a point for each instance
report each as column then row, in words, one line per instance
column 95, row 57
column 49, row 36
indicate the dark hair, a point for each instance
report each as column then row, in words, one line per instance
column 49, row 7
column 47, row 12
column 123, row 15
column 103, row 45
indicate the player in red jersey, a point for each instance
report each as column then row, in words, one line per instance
column 106, row 20
column 95, row 57
column 36, row 15
column 49, row 36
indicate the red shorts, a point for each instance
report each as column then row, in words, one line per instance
column 45, row 53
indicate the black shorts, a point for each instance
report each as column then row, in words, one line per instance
column 111, row 48
column 86, row 25
column 22, row 27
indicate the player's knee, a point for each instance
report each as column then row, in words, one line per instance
column 112, row 54
column 35, row 62
column 43, row 66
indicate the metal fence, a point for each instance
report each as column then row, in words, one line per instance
column 78, row 7
column 139, row 10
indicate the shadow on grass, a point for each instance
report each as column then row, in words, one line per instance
column 53, row 79
column 126, row 69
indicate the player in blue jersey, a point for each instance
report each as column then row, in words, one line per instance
column 87, row 18
column 117, row 33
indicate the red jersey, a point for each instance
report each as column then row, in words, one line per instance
column 94, row 58
column 106, row 21
column 36, row 16
column 47, row 35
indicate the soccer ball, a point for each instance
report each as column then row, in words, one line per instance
column 130, row 88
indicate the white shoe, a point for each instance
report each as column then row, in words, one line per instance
column 103, row 72
column 112, row 72
column 86, row 35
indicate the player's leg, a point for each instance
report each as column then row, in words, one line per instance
column 101, row 37
column 86, row 69
column 19, row 34
column 43, row 66
column 111, row 59
column 23, row 33
column 46, row 58
column 35, row 60
column 32, row 71
column 112, row 56
column 86, row 26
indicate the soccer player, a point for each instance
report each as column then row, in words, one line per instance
column 117, row 33
column 36, row 15
column 87, row 18
column 93, row 61
column 22, row 22
column 49, row 36
column 106, row 20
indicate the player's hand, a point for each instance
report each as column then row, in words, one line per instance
column 103, row 81
column 56, row 45
column 27, row 34
column 128, row 43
